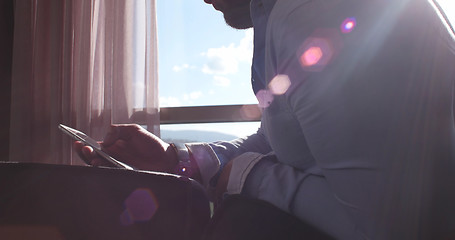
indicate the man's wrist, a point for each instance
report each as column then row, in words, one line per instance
column 186, row 165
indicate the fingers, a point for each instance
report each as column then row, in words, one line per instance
column 120, row 131
column 88, row 155
column 119, row 149
column 82, row 151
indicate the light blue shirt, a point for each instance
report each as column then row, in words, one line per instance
column 361, row 142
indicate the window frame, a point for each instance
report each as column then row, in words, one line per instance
column 203, row 114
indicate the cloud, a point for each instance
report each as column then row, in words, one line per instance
column 221, row 81
column 179, row 68
column 169, row 102
column 225, row 60
column 221, row 61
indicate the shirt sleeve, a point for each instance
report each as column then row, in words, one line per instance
column 303, row 193
column 212, row 157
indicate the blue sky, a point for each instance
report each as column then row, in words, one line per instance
column 202, row 61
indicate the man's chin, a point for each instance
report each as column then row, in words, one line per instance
column 239, row 22
column 239, row 18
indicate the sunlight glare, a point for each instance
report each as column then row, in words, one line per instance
column 249, row 112
column 265, row 98
column 311, row 56
column 448, row 6
column 348, row 25
column 281, row 83
column 140, row 206
column 316, row 52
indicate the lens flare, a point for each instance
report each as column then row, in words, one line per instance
column 311, row 56
column 319, row 49
column 316, row 53
column 250, row 112
column 265, row 98
column 140, row 206
column 281, row 83
column 348, row 25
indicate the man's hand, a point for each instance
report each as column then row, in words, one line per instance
column 134, row 146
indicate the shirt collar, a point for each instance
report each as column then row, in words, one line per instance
column 260, row 11
column 267, row 5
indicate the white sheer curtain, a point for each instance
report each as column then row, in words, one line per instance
column 84, row 63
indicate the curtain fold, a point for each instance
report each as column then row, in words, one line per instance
column 76, row 62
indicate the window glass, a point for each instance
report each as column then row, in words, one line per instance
column 202, row 61
column 207, row 132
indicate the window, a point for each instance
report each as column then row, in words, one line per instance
column 202, row 62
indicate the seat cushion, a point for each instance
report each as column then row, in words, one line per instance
column 78, row 202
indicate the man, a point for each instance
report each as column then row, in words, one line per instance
column 357, row 134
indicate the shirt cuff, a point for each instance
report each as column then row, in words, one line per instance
column 241, row 167
column 206, row 160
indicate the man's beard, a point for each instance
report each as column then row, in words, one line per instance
column 239, row 18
